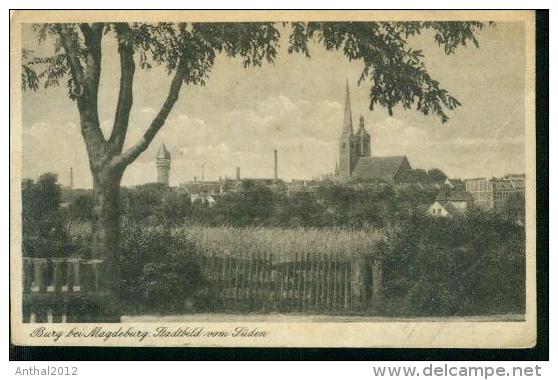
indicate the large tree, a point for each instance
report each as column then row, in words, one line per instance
column 394, row 69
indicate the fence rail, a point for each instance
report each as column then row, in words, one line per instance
column 53, row 275
column 60, row 290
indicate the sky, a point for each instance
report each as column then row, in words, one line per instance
column 295, row 106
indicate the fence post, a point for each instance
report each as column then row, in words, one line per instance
column 57, row 275
column 27, row 275
column 40, row 281
column 377, row 280
column 357, row 281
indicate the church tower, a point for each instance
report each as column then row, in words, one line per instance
column 348, row 143
column 363, row 139
column 163, row 165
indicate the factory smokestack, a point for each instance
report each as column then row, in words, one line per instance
column 202, row 175
column 71, row 177
column 275, row 164
column 238, row 173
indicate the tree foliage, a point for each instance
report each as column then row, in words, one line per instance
column 43, row 226
column 395, row 70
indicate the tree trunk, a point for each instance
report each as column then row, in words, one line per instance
column 106, row 224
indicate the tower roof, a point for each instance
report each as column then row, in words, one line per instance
column 163, row 153
column 347, row 115
column 361, row 130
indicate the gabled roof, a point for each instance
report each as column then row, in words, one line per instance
column 451, row 209
column 454, row 196
column 200, row 187
column 381, row 168
column 448, row 206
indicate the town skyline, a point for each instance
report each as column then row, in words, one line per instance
column 242, row 115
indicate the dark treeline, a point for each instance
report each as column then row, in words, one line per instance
column 255, row 204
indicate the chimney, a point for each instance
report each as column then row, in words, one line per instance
column 238, row 173
column 275, row 165
column 71, row 177
column 202, row 175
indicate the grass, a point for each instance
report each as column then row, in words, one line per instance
column 279, row 242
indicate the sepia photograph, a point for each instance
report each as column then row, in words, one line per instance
column 273, row 178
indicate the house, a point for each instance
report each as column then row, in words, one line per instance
column 450, row 203
column 203, row 198
column 444, row 209
column 203, row 192
column 295, row 187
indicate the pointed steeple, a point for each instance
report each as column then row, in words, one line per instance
column 347, row 116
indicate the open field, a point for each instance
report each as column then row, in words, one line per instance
column 280, row 243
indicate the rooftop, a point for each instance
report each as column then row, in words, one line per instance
column 453, row 196
column 381, row 168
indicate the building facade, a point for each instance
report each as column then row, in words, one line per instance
column 494, row 193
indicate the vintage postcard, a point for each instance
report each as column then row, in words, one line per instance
column 273, row 179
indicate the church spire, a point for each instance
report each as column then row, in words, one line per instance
column 347, row 116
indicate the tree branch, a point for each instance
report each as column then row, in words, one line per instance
column 92, row 37
column 125, row 96
column 72, row 57
column 131, row 154
column 88, row 84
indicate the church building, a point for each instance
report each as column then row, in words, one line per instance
column 356, row 161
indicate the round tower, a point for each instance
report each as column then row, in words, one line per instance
column 163, row 165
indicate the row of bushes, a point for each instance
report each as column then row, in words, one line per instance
column 470, row 265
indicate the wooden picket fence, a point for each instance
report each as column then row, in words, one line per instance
column 303, row 283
